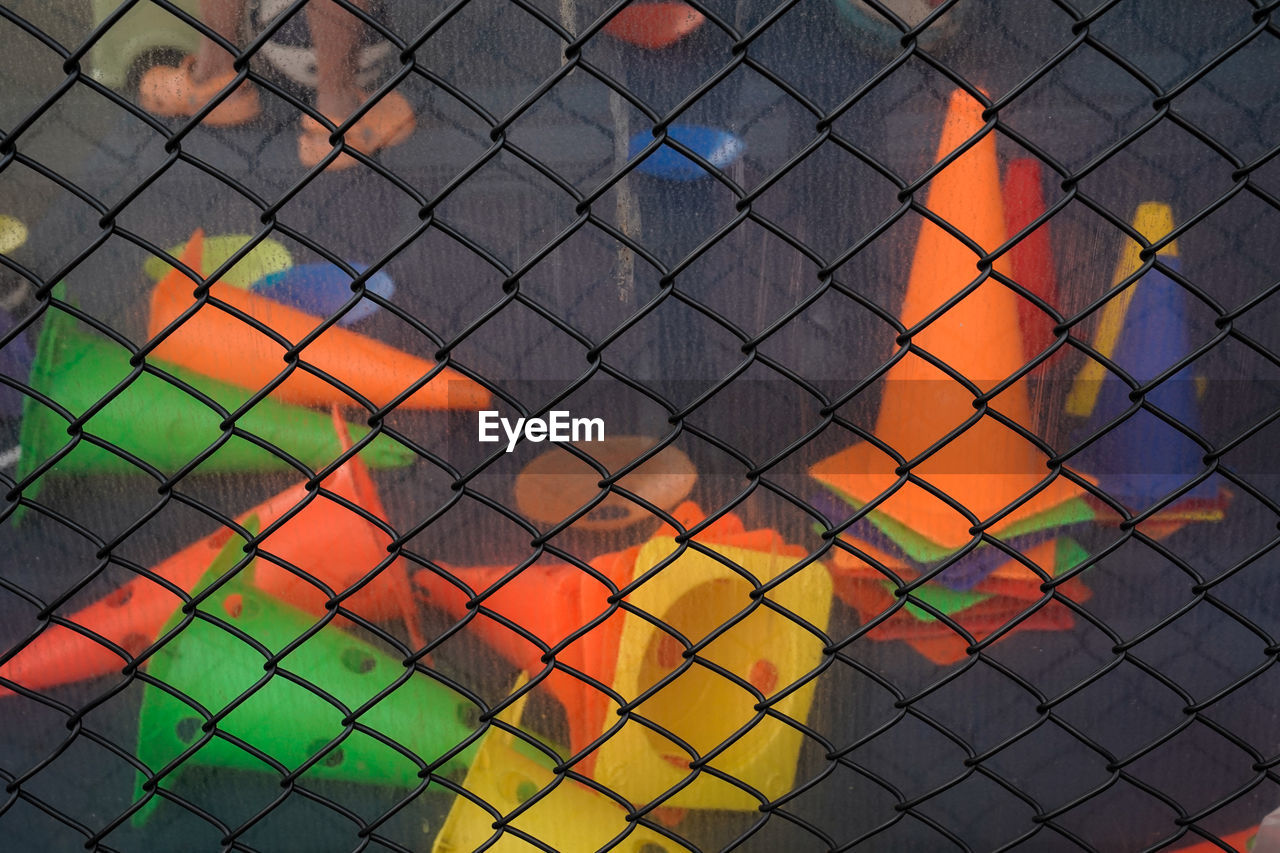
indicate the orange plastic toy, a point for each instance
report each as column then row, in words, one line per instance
column 654, row 26
column 219, row 344
column 628, row 654
column 988, row 466
column 1012, row 579
column 557, row 484
column 1012, row 590
column 326, row 540
column 1239, row 841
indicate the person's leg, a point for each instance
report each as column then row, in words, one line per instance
column 334, row 32
column 225, row 18
column 335, row 38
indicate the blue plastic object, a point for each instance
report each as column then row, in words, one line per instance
column 324, row 288
column 718, row 147
column 15, row 362
column 1143, row 459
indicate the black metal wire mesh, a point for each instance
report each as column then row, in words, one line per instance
column 746, row 318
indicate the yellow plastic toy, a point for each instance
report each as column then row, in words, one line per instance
column 697, row 594
column 269, row 256
column 13, row 234
column 560, row 813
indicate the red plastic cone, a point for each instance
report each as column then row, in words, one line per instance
column 219, row 344
column 550, row 602
column 654, row 26
column 988, row 466
column 324, row 539
column 1031, row 260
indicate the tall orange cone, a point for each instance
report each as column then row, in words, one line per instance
column 988, row 466
column 219, row 344
column 324, row 539
column 694, row 595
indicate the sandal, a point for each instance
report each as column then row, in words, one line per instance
column 166, row 90
column 389, row 122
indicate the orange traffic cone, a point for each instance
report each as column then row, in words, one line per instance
column 329, row 542
column 1031, row 260
column 694, row 595
column 219, row 344
column 988, row 466
column 654, row 26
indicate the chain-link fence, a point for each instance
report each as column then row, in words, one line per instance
column 913, row 485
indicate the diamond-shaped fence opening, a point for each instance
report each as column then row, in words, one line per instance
column 656, row 426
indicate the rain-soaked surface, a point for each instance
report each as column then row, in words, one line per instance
column 729, row 316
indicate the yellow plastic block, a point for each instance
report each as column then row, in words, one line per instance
column 697, row 594
column 562, row 814
column 267, row 257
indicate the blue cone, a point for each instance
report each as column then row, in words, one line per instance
column 15, row 362
column 718, row 147
column 1143, row 459
column 323, row 288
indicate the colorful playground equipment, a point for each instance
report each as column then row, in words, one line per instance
column 720, row 148
column 329, row 543
column 227, row 704
column 269, row 269
column 1012, row 596
column 987, row 466
column 654, row 26
column 556, row 484
column 156, row 422
column 561, row 813
column 219, row 343
column 696, row 595
column 1143, row 331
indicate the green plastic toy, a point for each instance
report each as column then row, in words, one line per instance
column 288, row 722
column 159, row 422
